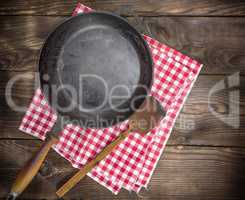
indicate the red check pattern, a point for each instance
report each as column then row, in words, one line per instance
column 132, row 163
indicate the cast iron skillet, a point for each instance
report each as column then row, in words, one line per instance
column 90, row 52
column 94, row 68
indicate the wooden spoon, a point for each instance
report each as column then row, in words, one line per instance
column 142, row 121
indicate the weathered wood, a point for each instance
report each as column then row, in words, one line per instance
column 127, row 7
column 196, row 28
column 21, row 94
column 14, row 154
column 31, row 168
column 20, row 46
column 216, row 42
column 196, row 125
column 182, row 173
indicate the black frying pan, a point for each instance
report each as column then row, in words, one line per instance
column 112, row 52
column 94, row 68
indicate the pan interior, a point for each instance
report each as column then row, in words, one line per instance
column 106, row 65
column 95, row 65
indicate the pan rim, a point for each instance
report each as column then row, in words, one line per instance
column 146, row 46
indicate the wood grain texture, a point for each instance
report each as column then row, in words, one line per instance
column 20, row 46
column 216, row 42
column 127, row 7
column 204, row 158
column 182, row 173
column 31, row 168
column 196, row 124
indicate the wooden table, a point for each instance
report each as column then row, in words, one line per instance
column 204, row 158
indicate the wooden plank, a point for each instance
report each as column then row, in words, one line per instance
column 22, row 40
column 22, row 93
column 218, row 43
column 127, row 7
column 182, row 173
column 196, row 124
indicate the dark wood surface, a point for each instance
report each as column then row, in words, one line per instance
column 203, row 160
column 217, row 42
column 127, row 7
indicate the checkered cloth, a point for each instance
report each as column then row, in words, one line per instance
column 132, row 163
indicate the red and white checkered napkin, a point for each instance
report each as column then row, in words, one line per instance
column 131, row 165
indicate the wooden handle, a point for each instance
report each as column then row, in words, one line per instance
column 31, row 168
column 90, row 165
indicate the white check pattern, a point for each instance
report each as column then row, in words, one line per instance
column 132, row 163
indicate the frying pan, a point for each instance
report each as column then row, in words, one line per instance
column 105, row 51
column 94, row 68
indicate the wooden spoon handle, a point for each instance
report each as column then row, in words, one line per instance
column 90, row 165
column 31, row 168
